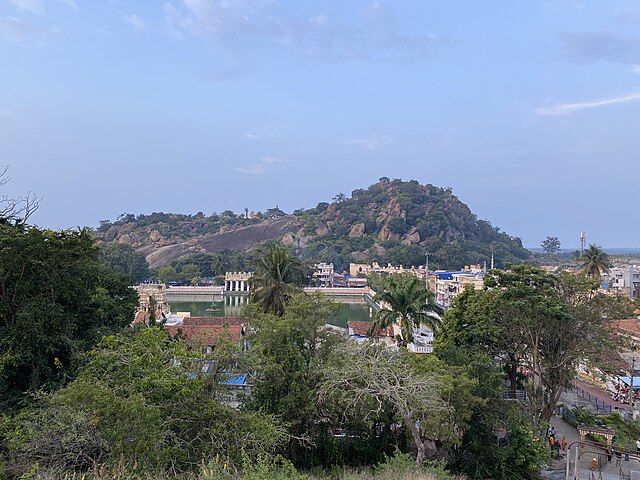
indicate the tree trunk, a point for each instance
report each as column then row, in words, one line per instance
column 417, row 439
column 420, row 456
column 513, row 369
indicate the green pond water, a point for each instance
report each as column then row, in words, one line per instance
column 231, row 306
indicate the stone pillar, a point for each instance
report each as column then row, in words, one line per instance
column 242, row 285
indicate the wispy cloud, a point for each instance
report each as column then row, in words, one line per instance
column 371, row 34
column 69, row 4
column 257, row 135
column 370, row 143
column 566, row 108
column 587, row 47
column 33, row 6
column 135, row 21
column 18, row 30
column 260, row 167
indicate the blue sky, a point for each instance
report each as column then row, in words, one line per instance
column 530, row 111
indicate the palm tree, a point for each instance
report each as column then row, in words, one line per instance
column 594, row 261
column 278, row 275
column 406, row 301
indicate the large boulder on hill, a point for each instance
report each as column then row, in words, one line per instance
column 357, row 231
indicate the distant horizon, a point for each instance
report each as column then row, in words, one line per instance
column 606, row 249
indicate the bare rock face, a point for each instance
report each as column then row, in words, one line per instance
column 413, row 237
column 385, row 234
column 321, row 229
column 331, row 211
column 382, row 218
column 154, row 236
column 359, row 257
column 357, row 231
column 124, row 238
column 390, row 211
column 288, row 240
column 379, row 249
column 302, row 241
column 241, row 238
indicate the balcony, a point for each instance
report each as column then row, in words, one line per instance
column 420, row 348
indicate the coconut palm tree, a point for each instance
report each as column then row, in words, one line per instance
column 278, row 275
column 594, row 261
column 406, row 301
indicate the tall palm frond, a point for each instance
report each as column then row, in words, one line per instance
column 277, row 276
column 594, row 261
column 404, row 300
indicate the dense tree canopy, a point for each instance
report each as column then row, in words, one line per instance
column 140, row 399
column 56, row 301
column 289, row 352
column 122, row 258
column 545, row 323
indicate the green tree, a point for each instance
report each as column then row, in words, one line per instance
column 340, row 198
column 122, row 258
column 56, row 302
column 278, row 275
column 405, row 300
column 369, row 377
column 167, row 274
column 527, row 317
column 140, row 397
column 189, row 273
column 289, row 351
column 594, row 261
column 550, row 245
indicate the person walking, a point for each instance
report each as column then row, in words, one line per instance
column 564, row 444
column 637, row 446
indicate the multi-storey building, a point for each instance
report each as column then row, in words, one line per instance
column 622, row 281
column 446, row 284
column 323, row 274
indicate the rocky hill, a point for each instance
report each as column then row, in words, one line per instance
column 391, row 221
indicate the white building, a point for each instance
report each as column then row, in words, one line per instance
column 323, row 274
column 622, row 281
column 447, row 285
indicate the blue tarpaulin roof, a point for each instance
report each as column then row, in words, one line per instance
column 234, row 380
column 627, row 381
column 448, row 275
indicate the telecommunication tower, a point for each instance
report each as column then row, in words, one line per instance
column 583, row 242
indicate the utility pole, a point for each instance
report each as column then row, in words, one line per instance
column 426, row 272
column 633, row 371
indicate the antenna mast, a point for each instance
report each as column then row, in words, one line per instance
column 583, row 242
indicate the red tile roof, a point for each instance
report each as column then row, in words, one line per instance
column 214, row 321
column 358, row 327
column 208, row 331
column 629, row 326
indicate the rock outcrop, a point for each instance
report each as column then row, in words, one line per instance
column 391, row 221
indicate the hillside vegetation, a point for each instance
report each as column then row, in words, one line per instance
column 391, row 221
